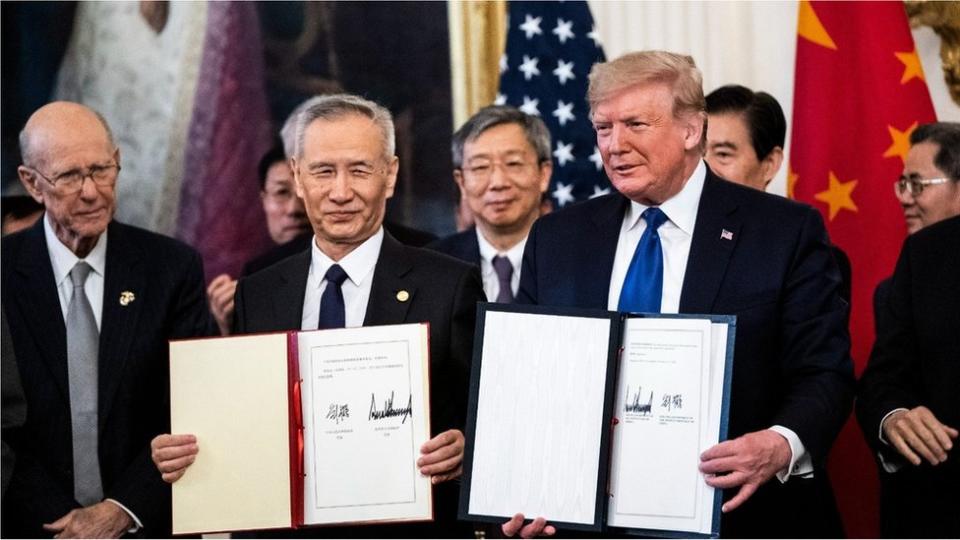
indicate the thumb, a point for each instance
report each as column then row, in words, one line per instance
column 59, row 524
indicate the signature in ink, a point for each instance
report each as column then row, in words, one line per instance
column 634, row 405
column 338, row 412
column 672, row 401
column 388, row 410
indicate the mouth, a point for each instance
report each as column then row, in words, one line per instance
column 500, row 204
column 341, row 215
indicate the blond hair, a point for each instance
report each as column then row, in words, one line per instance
column 645, row 67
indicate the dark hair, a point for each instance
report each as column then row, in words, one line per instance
column 495, row 115
column 762, row 113
column 274, row 155
column 947, row 136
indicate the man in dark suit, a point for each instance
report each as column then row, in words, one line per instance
column 908, row 404
column 91, row 304
column 746, row 131
column 355, row 274
column 676, row 238
column 502, row 165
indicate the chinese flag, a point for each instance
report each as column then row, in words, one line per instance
column 860, row 91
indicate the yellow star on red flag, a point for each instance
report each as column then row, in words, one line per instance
column 838, row 196
column 809, row 26
column 900, row 144
column 912, row 68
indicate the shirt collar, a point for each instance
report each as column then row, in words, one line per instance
column 63, row 260
column 358, row 264
column 681, row 209
column 488, row 252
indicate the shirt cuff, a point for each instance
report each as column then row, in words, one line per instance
column 801, row 464
column 137, row 525
column 889, row 465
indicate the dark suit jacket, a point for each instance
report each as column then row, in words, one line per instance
column 916, row 361
column 463, row 245
column 443, row 291
column 777, row 275
column 166, row 278
column 14, row 402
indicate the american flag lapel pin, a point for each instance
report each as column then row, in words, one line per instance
column 726, row 235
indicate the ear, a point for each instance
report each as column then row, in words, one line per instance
column 297, row 179
column 546, row 171
column 116, row 156
column 29, row 180
column 392, row 171
column 771, row 164
column 458, row 178
column 693, row 131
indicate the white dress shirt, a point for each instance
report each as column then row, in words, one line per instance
column 63, row 260
column 676, row 235
column 491, row 282
column 359, row 265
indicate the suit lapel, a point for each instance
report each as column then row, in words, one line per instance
column 39, row 302
column 288, row 297
column 124, row 275
column 714, row 238
column 598, row 264
column 393, row 264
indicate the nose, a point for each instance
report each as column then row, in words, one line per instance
column 905, row 197
column 88, row 189
column 615, row 140
column 340, row 191
column 498, row 177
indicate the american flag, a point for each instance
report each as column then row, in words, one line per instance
column 550, row 49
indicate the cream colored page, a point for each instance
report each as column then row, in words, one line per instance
column 232, row 393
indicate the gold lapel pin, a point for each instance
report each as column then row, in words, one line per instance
column 126, row 297
column 403, row 296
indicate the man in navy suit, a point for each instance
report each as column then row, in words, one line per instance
column 676, row 238
column 91, row 304
column 502, row 165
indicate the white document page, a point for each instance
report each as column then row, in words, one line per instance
column 366, row 414
column 232, row 393
column 539, row 416
column 665, row 403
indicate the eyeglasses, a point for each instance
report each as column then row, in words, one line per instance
column 72, row 181
column 481, row 171
column 916, row 185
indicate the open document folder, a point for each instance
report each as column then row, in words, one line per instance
column 596, row 419
column 302, row 428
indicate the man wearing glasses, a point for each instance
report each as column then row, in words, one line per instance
column 502, row 165
column 91, row 304
column 906, row 404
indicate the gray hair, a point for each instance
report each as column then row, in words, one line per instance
column 28, row 153
column 947, row 136
column 533, row 128
column 288, row 133
column 337, row 106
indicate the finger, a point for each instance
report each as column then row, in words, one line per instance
column 727, row 481
column 940, row 434
column 446, row 477
column 534, row 528
column 918, row 445
column 441, row 454
column 59, row 524
column 924, row 427
column 549, row 530
column 897, row 441
column 442, row 467
column 168, row 439
column 719, row 465
column 172, row 477
column 512, row 527
column 724, row 449
column 169, row 453
column 174, row 465
column 447, row 437
column 741, row 497
column 953, row 433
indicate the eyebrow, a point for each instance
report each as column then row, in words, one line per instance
column 355, row 163
column 723, row 144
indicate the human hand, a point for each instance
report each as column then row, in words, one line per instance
column 918, row 431
column 221, row 291
column 747, row 461
column 535, row 528
column 102, row 520
column 442, row 456
column 172, row 454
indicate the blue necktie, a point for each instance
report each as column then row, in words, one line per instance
column 643, row 286
column 504, row 269
column 331, row 303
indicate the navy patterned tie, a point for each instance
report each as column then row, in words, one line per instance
column 504, row 270
column 331, row 303
column 643, row 286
